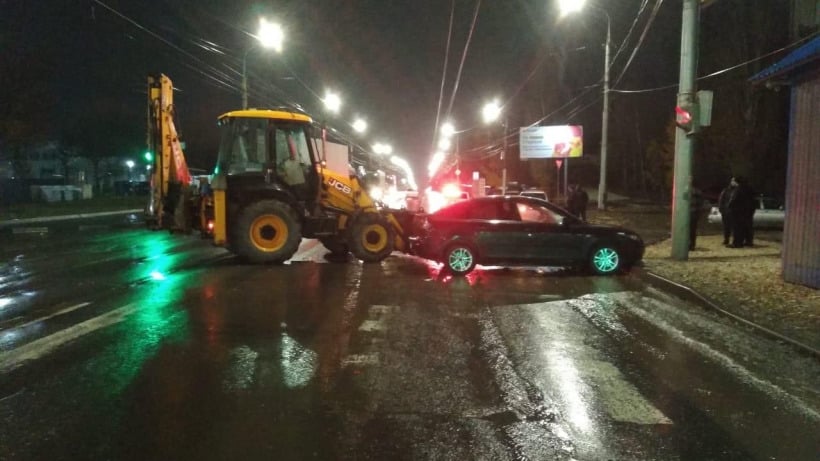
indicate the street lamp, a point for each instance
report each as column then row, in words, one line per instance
column 360, row 125
column 382, row 149
column 572, row 6
column 270, row 36
column 332, row 102
column 490, row 113
column 130, row 165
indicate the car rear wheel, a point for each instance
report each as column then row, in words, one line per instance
column 605, row 260
column 460, row 259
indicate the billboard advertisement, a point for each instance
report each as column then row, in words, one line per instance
column 562, row 141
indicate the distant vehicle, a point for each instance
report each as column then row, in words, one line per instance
column 535, row 193
column 433, row 200
column 769, row 213
column 514, row 230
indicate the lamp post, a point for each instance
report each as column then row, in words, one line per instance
column 573, row 6
column 270, row 35
column 130, row 165
column 491, row 113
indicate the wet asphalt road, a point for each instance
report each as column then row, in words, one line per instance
column 120, row 343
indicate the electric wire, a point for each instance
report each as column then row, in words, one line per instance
column 443, row 74
column 629, row 33
column 463, row 58
column 214, row 79
column 723, row 71
column 637, row 47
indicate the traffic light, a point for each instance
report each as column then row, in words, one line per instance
column 148, row 156
column 686, row 118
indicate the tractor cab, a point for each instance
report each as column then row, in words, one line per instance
column 267, row 150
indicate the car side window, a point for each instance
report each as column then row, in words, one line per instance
column 531, row 213
column 457, row 211
column 484, row 210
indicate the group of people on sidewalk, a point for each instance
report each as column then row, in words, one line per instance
column 737, row 205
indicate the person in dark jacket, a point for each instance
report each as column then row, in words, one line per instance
column 695, row 209
column 742, row 207
column 725, row 213
column 577, row 201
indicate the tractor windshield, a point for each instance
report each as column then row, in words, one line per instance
column 256, row 144
column 243, row 145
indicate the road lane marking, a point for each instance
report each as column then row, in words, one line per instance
column 372, row 325
column 767, row 387
column 40, row 347
column 622, row 400
column 574, row 363
column 60, row 312
column 30, row 230
column 361, row 359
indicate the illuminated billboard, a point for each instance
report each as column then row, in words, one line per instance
column 563, row 141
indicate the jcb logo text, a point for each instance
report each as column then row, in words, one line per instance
column 333, row 182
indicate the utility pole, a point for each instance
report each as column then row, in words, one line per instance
column 605, row 120
column 684, row 142
column 504, row 159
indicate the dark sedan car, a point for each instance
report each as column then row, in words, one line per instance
column 521, row 231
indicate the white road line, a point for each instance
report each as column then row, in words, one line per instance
column 60, row 312
column 41, row 347
column 576, row 365
column 361, row 359
column 372, row 325
column 621, row 399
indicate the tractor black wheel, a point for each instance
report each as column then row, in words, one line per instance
column 372, row 237
column 267, row 232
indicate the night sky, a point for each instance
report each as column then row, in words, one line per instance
column 89, row 60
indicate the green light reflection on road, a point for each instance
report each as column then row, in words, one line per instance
column 159, row 317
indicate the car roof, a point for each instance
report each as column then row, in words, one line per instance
column 501, row 198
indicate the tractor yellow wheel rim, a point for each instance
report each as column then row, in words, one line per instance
column 374, row 238
column 269, row 233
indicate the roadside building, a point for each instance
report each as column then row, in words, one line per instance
column 799, row 71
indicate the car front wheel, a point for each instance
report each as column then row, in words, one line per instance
column 605, row 260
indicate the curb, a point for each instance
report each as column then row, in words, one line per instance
column 16, row 222
column 690, row 294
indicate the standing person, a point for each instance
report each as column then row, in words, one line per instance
column 583, row 201
column 749, row 218
column 695, row 208
column 572, row 202
column 725, row 213
column 742, row 208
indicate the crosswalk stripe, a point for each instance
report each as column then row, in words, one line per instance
column 40, row 347
column 60, row 312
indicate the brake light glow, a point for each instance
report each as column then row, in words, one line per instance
column 451, row 191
